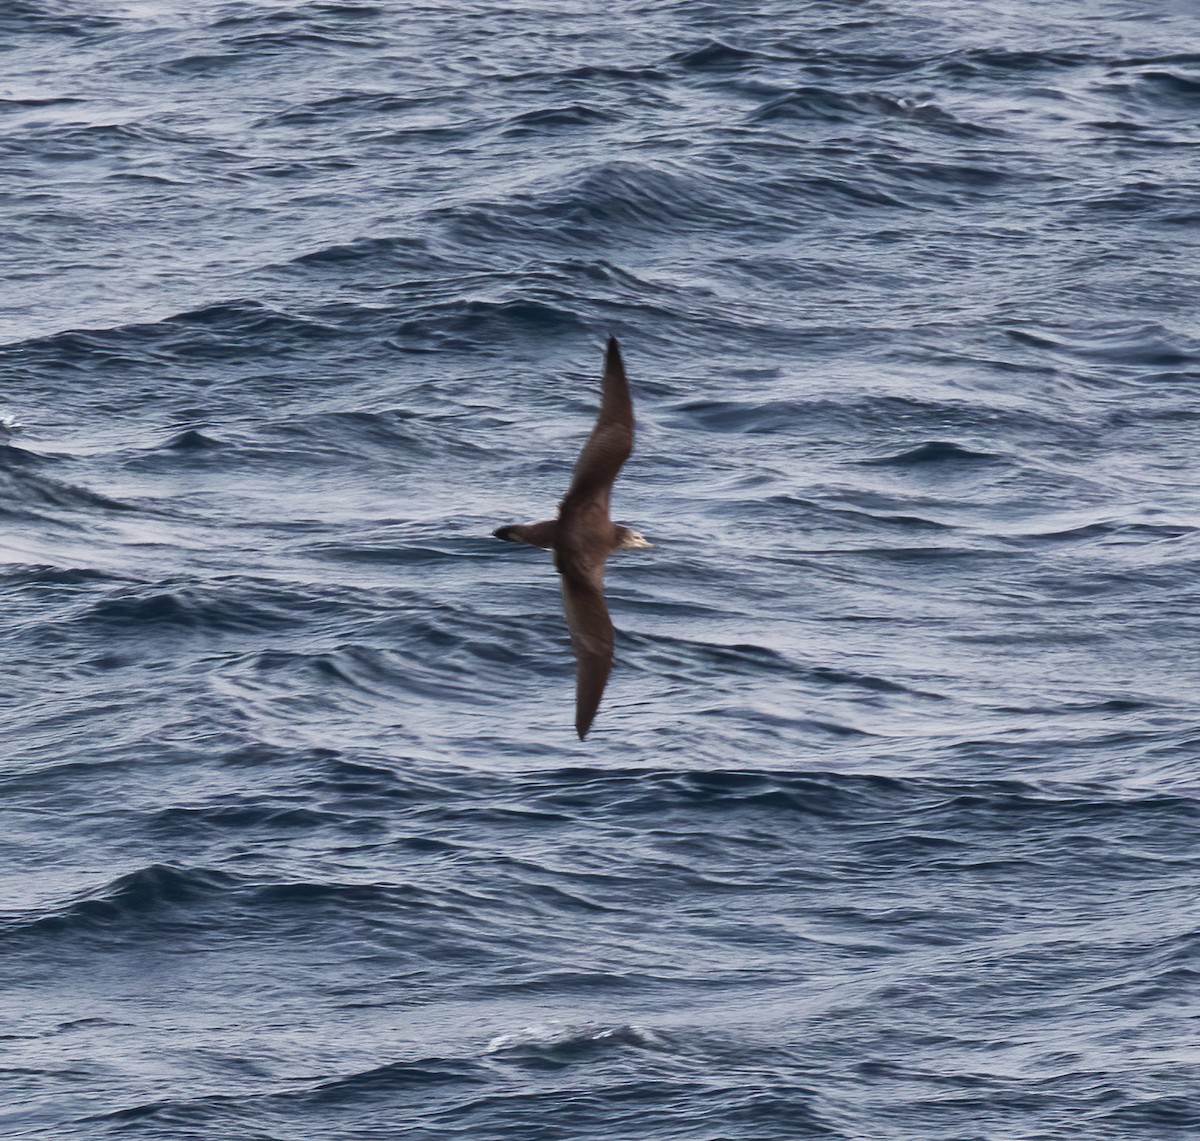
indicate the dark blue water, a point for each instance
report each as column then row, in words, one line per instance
column 889, row 826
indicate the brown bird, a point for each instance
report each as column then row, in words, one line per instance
column 583, row 536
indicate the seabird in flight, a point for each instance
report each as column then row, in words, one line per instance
column 583, row 536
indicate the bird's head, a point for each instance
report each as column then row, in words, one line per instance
column 627, row 539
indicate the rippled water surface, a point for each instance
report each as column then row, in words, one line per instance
column 889, row 826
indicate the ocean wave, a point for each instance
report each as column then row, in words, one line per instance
column 551, row 119
column 890, row 812
column 52, row 577
column 156, row 893
column 639, row 793
column 11, row 102
column 221, row 331
column 32, row 18
column 336, row 109
column 263, row 39
column 464, row 324
column 389, row 434
column 715, row 55
column 362, row 1089
column 1108, row 529
column 397, row 252
column 554, row 1043
column 192, row 440
column 231, row 605
column 870, row 517
column 737, row 660
column 1169, row 85
column 83, row 141
column 28, row 492
column 824, row 103
column 591, row 72
column 262, row 819
column 973, row 61
column 823, row 414
column 630, row 195
column 1143, row 345
column 1153, row 1113
column 775, row 416
column 934, row 452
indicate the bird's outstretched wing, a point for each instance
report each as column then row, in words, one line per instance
column 611, row 441
column 592, row 639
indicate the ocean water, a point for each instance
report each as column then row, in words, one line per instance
column 889, row 825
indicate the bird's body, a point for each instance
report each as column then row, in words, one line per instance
column 583, row 536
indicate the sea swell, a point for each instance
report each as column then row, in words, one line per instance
column 887, row 827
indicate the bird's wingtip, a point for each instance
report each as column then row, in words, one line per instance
column 614, row 365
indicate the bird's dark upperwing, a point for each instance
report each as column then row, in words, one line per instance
column 591, row 636
column 611, row 441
